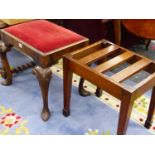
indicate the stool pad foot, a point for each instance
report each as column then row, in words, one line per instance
column 45, row 115
column 147, row 124
column 66, row 113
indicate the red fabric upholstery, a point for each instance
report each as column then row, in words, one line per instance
column 43, row 35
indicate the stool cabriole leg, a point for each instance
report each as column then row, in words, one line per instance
column 125, row 112
column 151, row 110
column 98, row 92
column 5, row 71
column 67, row 84
column 82, row 91
column 44, row 78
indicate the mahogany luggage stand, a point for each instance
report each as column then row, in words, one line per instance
column 112, row 56
column 45, row 43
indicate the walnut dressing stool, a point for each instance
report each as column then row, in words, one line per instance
column 111, row 56
column 45, row 43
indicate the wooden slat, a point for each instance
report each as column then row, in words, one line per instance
column 97, row 79
column 98, row 54
column 87, row 50
column 114, row 62
column 131, row 70
column 144, row 85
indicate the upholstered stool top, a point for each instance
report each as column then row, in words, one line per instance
column 43, row 35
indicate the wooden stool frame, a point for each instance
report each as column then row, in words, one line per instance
column 42, row 61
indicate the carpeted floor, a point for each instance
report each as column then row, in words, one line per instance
column 21, row 104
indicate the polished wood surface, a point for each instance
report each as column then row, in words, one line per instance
column 151, row 110
column 144, row 28
column 6, row 70
column 131, row 70
column 44, row 78
column 80, row 62
column 98, row 54
column 114, row 62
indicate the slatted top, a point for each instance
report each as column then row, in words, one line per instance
column 104, row 56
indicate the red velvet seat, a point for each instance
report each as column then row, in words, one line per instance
column 43, row 35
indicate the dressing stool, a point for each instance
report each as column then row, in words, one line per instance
column 45, row 43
